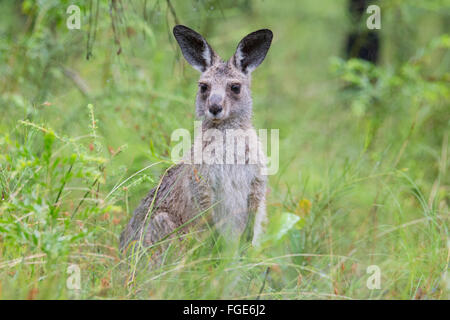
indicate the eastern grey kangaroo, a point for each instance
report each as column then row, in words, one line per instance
column 232, row 194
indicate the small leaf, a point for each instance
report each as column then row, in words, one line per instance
column 282, row 224
column 300, row 224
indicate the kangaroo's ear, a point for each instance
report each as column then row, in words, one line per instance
column 252, row 50
column 194, row 47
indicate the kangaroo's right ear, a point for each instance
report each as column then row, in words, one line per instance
column 194, row 47
column 252, row 50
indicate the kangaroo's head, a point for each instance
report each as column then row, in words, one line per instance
column 224, row 86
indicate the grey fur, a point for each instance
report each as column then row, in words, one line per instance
column 236, row 192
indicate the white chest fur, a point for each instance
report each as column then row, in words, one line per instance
column 230, row 182
column 231, row 187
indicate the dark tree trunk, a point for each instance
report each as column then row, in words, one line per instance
column 362, row 43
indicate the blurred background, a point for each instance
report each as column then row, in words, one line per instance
column 363, row 116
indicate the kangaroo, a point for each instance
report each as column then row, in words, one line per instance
column 233, row 193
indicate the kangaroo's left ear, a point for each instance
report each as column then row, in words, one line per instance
column 194, row 48
column 252, row 50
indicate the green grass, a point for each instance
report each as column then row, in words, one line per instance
column 364, row 153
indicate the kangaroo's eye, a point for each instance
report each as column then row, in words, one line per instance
column 203, row 87
column 236, row 88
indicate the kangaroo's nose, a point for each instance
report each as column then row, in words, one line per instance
column 215, row 103
column 215, row 109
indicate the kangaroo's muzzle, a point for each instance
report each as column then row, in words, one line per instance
column 215, row 109
column 215, row 105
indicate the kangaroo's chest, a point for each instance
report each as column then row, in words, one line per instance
column 231, row 186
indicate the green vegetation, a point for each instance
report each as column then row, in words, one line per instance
column 364, row 150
